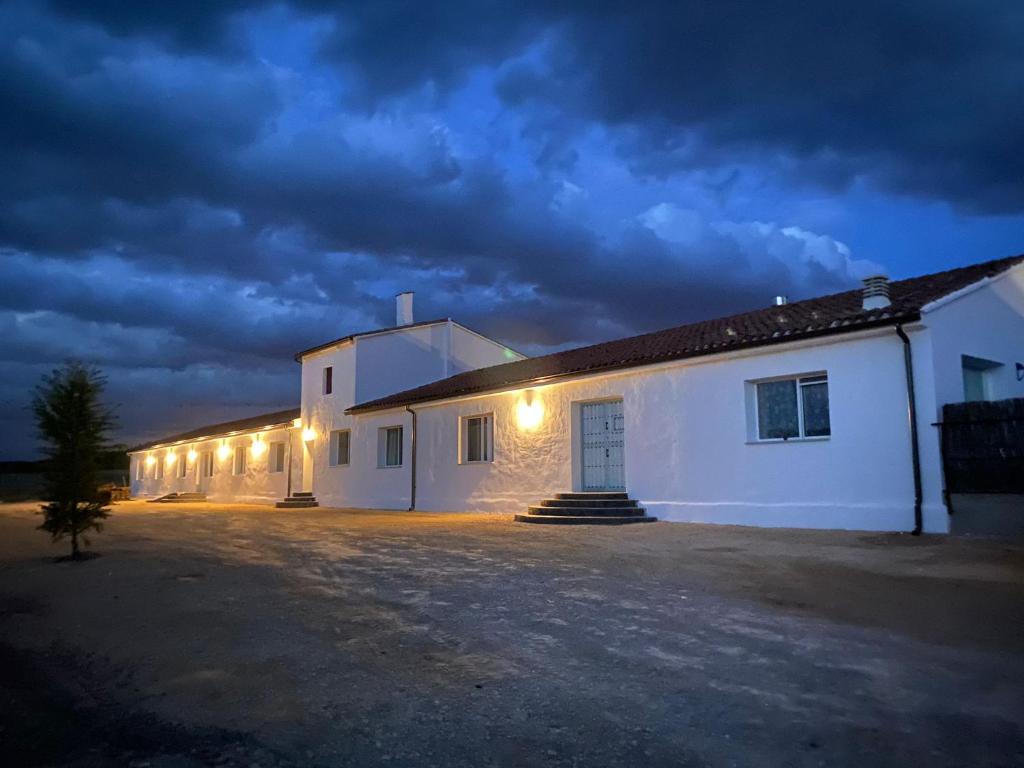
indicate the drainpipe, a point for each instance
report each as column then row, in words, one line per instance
column 288, row 490
column 908, row 365
column 412, row 462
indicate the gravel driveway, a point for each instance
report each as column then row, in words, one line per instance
column 243, row 635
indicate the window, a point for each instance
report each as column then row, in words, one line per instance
column 275, row 462
column 340, row 441
column 978, row 375
column 207, row 463
column 239, row 465
column 477, row 439
column 182, row 466
column 793, row 408
column 389, row 447
column 158, row 469
column 140, row 469
column 328, row 380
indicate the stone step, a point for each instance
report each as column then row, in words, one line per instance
column 588, row 520
column 589, row 502
column 592, row 495
column 619, row 511
column 297, row 503
column 172, row 498
column 300, row 494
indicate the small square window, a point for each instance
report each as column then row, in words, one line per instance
column 389, row 447
column 328, row 380
column 239, row 464
column 978, row 375
column 477, row 439
column 275, row 461
column 340, row 442
column 793, row 408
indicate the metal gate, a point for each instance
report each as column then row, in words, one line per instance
column 983, row 446
column 603, row 431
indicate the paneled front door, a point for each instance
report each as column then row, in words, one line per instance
column 603, row 432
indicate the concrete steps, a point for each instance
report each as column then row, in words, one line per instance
column 178, row 498
column 298, row 500
column 587, row 508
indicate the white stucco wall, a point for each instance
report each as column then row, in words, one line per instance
column 688, row 452
column 985, row 322
column 256, row 484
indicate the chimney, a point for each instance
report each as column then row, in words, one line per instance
column 403, row 308
column 781, row 301
column 876, row 292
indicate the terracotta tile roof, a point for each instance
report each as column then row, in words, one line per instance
column 827, row 315
column 275, row 419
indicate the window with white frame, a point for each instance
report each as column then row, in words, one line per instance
column 140, row 469
column 477, row 438
column 978, row 374
column 207, row 463
column 340, row 442
column 792, row 408
column 182, row 466
column 389, row 447
column 328, row 379
column 275, row 460
column 158, row 469
column 239, row 465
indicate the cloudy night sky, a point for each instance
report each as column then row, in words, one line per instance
column 193, row 191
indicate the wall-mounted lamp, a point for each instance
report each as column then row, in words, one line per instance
column 151, row 459
column 223, row 451
column 192, row 455
column 171, row 458
column 308, row 434
column 258, row 447
column 296, row 422
column 529, row 411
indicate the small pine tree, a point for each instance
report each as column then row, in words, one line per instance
column 73, row 425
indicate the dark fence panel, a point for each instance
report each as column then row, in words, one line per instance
column 983, row 446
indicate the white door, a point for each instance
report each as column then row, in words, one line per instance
column 603, row 438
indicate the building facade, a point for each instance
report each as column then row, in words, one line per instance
column 795, row 415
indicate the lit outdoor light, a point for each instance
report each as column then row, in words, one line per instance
column 529, row 412
column 151, row 459
column 171, row 458
column 308, row 434
column 296, row 422
column 192, row 455
column 224, row 451
column 258, row 447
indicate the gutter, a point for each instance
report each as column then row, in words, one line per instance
column 908, row 367
column 412, row 462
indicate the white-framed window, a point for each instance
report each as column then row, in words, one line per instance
column 182, row 466
column 476, row 437
column 140, row 469
column 328, row 379
column 275, row 459
column 389, row 447
column 978, row 374
column 238, row 468
column 341, row 440
column 207, row 463
column 158, row 468
column 790, row 408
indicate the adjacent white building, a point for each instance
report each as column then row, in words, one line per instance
column 792, row 415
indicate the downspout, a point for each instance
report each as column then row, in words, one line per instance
column 908, row 365
column 412, row 462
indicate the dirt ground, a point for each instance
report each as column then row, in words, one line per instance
column 243, row 635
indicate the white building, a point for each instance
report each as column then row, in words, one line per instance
column 792, row 415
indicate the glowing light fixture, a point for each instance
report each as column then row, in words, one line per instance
column 171, row 458
column 296, row 422
column 151, row 459
column 308, row 434
column 258, row 446
column 223, row 451
column 192, row 455
column 529, row 412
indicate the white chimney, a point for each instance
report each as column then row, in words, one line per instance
column 403, row 308
column 781, row 301
column 876, row 292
